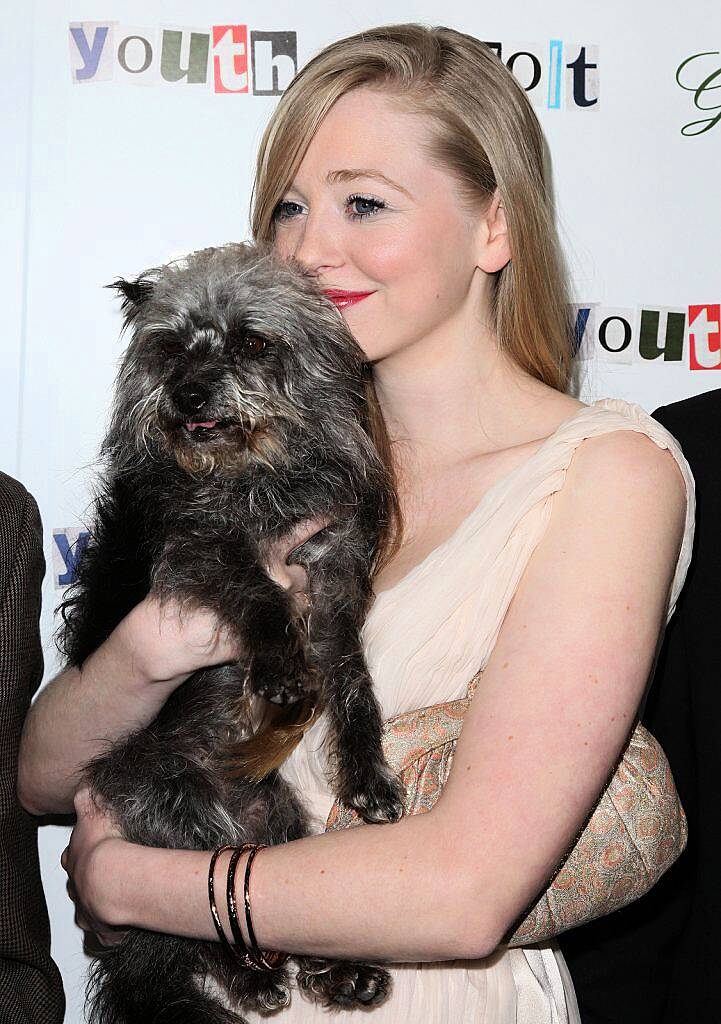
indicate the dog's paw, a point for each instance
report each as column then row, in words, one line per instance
column 265, row 994
column 347, row 985
column 281, row 681
column 378, row 800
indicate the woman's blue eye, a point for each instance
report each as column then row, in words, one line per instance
column 281, row 210
column 375, row 205
column 284, row 211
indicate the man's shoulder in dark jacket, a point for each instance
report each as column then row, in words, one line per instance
column 693, row 420
column 30, row 986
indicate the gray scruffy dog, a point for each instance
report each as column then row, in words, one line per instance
column 240, row 410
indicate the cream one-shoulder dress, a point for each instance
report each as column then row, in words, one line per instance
column 424, row 639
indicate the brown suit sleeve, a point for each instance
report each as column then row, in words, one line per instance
column 30, row 986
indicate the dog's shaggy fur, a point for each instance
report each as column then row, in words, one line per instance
column 240, row 410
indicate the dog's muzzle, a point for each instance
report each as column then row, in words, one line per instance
column 193, row 400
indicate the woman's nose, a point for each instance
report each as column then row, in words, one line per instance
column 317, row 245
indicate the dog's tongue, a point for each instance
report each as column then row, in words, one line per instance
column 207, row 423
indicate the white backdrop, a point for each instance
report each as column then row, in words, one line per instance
column 108, row 167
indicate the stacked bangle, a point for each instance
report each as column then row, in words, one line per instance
column 242, row 951
column 251, row 956
column 269, row 960
column 228, row 946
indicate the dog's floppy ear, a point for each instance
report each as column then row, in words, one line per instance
column 134, row 294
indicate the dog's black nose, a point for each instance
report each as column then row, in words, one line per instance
column 190, row 398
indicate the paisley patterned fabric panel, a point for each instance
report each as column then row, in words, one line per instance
column 634, row 834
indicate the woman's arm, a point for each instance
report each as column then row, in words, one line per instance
column 120, row 687
column 125, row 682
column 559, row 695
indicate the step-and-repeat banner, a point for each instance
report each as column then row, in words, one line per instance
column 129, row 137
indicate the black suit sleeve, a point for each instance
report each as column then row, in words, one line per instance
column 30, row 986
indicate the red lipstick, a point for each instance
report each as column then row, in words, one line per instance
column 342, row 298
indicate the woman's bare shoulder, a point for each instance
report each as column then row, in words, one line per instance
column 625, row 464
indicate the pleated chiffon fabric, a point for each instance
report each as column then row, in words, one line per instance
column 424, row 639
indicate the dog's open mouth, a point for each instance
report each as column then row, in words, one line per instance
column 201, row 429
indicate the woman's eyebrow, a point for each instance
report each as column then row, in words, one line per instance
column 350, row 173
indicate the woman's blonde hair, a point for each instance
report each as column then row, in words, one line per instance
column 482, row 129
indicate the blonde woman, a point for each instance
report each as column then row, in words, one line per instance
column 545, row 542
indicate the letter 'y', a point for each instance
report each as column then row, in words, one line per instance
column 90, row 55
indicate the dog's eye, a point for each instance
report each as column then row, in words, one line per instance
column 170, row 344
column 253, row 345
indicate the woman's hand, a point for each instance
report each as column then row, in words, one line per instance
column 93, row 841
column 171, row 643
column 293, row 578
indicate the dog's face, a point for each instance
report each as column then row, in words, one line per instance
column 231, row 349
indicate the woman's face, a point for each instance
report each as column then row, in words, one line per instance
column 406, row 240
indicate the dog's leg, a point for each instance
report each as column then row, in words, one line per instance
column 362, row 778
column 224, row 575
column 340, row 589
